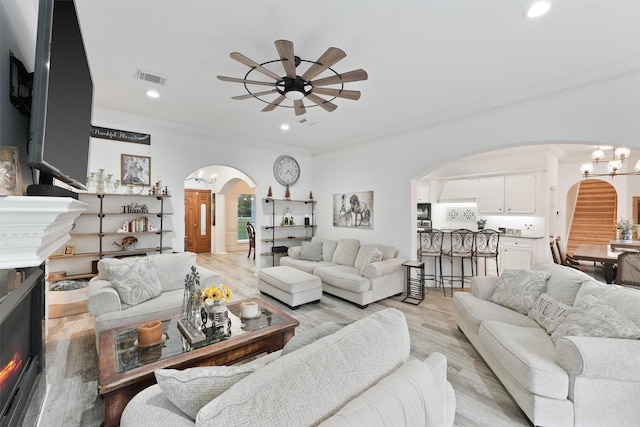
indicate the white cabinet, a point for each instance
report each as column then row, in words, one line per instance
column 515, row 253
column 515, row 194
column 423, row 192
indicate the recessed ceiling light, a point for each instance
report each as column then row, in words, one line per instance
column 284, row 127
column 153, row 94
column 539, row 8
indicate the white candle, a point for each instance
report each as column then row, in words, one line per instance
column 249, row 309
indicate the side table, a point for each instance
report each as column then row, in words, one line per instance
column 415, row 285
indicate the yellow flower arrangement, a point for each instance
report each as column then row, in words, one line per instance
column 213, row 294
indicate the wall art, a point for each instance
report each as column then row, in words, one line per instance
column 353, row 209
column 136, row 170
column 120, row 135
column 10, row 176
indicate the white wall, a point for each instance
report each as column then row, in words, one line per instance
column 604, row 114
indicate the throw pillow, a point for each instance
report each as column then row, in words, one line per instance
column 373, row 256
column 311, row 251
column 593, row 316
column 548, row 312
column 192, row 388
column 519, row 289
column 311, row 335
column 136, row 282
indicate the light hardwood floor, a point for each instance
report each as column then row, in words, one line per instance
column 481, row 400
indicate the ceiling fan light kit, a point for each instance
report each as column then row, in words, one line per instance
column 297, row 88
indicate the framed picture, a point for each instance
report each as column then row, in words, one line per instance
column 70, row 250
column 136, row 170
column 353, row 209
column 10, row 176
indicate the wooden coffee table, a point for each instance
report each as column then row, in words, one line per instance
column 125, row 370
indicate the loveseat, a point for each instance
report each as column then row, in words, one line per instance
column 564, row 345
column 138, row 289
column 332, row 375
column 358, row 273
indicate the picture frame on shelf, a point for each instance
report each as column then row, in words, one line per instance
column 10, row 175
column 70, row 250
column 135, row 170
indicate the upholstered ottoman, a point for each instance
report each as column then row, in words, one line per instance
column 289, row 285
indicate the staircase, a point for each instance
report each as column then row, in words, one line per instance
column 594, row 215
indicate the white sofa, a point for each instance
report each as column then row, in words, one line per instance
column 167, row 271
column 346, row 270
column 578, row 380
column 359, row 374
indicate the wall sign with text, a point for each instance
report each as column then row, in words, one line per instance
column 120, row 135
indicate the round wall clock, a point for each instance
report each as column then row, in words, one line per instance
column 286, row 170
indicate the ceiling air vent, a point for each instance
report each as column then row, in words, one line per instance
column 150, row 77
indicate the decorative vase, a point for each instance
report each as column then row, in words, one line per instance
column 627, row 235
column 218, row 314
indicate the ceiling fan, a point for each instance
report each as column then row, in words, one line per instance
column 296, row 87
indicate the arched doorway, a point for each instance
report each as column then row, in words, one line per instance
column 219, row 200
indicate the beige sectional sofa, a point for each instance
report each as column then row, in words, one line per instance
column 358, row 374
column 359, row 273
column 573, row 359
column 138, row 289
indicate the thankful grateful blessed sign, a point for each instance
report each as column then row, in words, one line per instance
column 120, row 135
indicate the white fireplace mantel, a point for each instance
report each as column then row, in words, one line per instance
column 34, row 227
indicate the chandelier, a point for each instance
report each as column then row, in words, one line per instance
column 620, row 154
column 198, row 178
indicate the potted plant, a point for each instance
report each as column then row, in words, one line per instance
column 627, row 228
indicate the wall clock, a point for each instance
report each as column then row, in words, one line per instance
column 286, row 170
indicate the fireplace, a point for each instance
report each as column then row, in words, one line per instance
column 22, row 317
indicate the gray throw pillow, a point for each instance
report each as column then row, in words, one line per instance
column 192, row 388
column 311, row 251
column 593, row 316
column 136, row 282
column 311, row 335
column 519, row 289
column 548, row 312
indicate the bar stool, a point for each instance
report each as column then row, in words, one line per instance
column 461, row 248
column 486, row 246
column 430, row 246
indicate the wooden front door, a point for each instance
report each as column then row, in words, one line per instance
column 197, row 220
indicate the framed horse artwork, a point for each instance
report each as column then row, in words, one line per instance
column 353, row 209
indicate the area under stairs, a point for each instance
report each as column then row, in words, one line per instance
column 594, row 214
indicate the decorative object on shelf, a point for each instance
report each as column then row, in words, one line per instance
column 136, row 170
column 353, row 210
column 618, row 156
column 481, row 223
column 70, row 250
column 156, row 189
column 128, row 243
column 100, row 181
column 286, row 170
column 287, row 193
column 135, row 208
column 310, row 195
column 626, row 228
column 287, row 218
column 269, row 193
column 10, row 175
column 295, row 88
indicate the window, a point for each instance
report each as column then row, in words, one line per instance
column 246, row 212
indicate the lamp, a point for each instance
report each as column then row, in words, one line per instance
column 620, row 154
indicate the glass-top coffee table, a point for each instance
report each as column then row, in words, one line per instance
column 125, row 369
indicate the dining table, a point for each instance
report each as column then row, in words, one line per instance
column 599, row 253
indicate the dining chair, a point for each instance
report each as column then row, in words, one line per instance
column 486, row 244
column 554, row 251
column 460, row 248
column 252, row 239
column 628, row 269
column 430, row 246
column 594, row 270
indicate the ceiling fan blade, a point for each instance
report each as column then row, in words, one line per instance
column 250, row 63
column 274, row 104
column 251, row 82
column 253, row 95
column 330, row 57
column 285, row 50
column 322, row 103
column 299, row 107
column 350, row 76
column 348, row 94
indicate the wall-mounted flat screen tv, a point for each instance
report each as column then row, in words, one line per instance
column 59, row 134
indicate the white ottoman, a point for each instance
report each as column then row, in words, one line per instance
column 289, row 285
